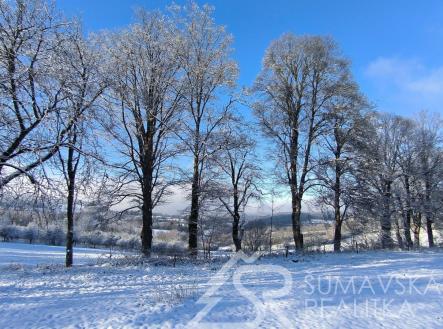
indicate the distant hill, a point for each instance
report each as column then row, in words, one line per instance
column 284, row 220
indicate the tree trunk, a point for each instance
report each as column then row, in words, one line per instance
column 337, row 192
column 398, row 235
column 428, row 213
column 235, row 233
column 296, row 225
column 429, row 231
column 147, row 186
column 408, row 215
column 70, row 208
column 146, row 233
column 193, row 216
column 70, row 229
column 386, row 225
column 337, row 235
column 295, row 195
column 270, row 226
column 417, row 227
column 236, row 222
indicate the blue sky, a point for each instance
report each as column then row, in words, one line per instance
column 396, row 47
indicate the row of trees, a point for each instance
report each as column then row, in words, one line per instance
column 399, row 177
column 127, row 115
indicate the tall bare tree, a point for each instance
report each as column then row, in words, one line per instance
column 335, row 173
column 205, row 51
column 300, row 77
column 84, row 85
column 378, row 171
column 407, row 162
column 146, row 92
column 430, row 159
column 238, row 172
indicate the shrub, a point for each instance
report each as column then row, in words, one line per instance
column 10, row 232
column 92, row 239
column 131, row 243
column 109, row 240
column 168, row 249
column 30, row 233
column 55, row 236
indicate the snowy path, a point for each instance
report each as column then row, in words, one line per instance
column 374, row 289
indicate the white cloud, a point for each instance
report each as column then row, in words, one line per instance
column 393, row 69
column 405, row 85
column 430, row 84
column 176, row 203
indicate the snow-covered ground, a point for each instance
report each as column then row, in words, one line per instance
column 27, row 254
column 372, row 289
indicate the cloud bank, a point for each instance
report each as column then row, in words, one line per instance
column 405, row 86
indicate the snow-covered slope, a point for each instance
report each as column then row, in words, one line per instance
column 29, row 254
column 373, row 289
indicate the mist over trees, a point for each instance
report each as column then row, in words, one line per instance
column 114, row 123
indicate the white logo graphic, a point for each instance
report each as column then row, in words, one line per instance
column 261, row 305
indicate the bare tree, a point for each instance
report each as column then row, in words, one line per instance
column 399, row 164
column 255, row 236
column 407, row 161
column 210, row 228
column 417, row 226
column 32, row 37
column 274, row 193
column 146, row 94
column 335, row 172
column 430, row 159
column 208, row 70
column 239, row 175
column 84, row 85
column 378, row 171
column 300, row 77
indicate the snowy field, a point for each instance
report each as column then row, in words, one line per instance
column 373, row 289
